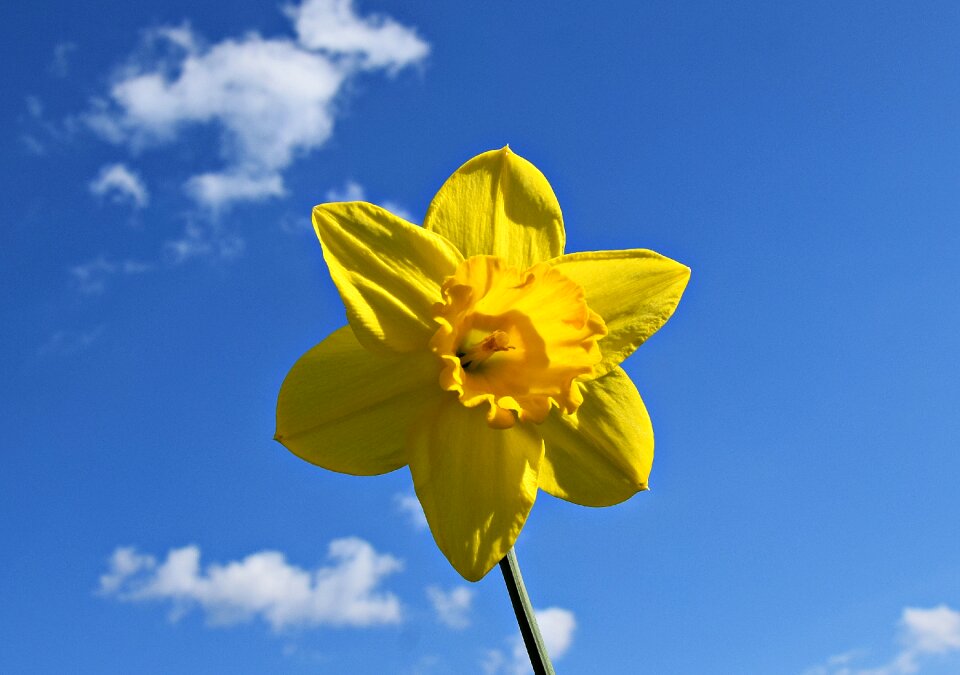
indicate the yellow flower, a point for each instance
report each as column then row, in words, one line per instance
column 481, row 356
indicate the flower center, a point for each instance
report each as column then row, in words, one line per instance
column 473, row 356
column 514, row 340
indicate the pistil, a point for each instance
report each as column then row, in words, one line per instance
column 474, row 355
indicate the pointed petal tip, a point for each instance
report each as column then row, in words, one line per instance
column 472, row 575
column 475, row 570
column 477, row 485
column 498, row 203
column 684, row 274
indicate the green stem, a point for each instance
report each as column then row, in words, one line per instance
column 539, row 658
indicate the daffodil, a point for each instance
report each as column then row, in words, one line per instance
column 481, row 356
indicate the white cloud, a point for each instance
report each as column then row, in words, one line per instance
column 557, row 626
column 409, row 506
column 453, row 606
column 350, row 192
column 218, row 190
column 121, row 185
column 90, row 278
column 399, row 211
column 377, row 41
column 272, row 99
column 263, row 585
column 354, row 192
column 124, row 563
column 924, row 633
column 493, row 663
column 179, row 36
column 931, row 631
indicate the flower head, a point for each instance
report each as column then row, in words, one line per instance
column 481, row 356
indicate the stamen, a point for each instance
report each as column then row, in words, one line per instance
column 497, row 341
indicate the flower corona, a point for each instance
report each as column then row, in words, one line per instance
column 514, row 340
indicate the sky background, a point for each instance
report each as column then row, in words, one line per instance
column 159, row 276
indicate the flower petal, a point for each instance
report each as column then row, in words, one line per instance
column 347, row 409
column 601, row 455
column 499, row 204
column 388, row 272
column 476, row 484
column 635, row 291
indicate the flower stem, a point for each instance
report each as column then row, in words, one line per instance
column 539, row 658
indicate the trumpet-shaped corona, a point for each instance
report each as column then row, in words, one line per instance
column 514, row 340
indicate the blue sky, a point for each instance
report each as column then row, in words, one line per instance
column 160, row 277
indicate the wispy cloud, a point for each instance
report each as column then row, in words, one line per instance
column 32, row 145
column 272, row 99
column 39, row 132
column 60, row 65
column 66, row 342
column 452, row 607
column 351, row 191
column 398, row 210
column 121, row 185
column 199, row 241
column 428, row 663
column 262, row 585
column 557, row 626
column 305, row 655
column 90, row 278
column 924, row 634
column 296, row 223
column 409, row 506
column 34, row 107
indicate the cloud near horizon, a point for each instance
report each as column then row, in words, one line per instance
column 924, row 633
column 262, row 585
column 557, row 626
column 271, row 99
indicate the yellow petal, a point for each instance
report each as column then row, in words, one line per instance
column 388, row 272
column 601, row 455
column 476, row 484
column 635, row 291
column 499, row 204
column 347, row 409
